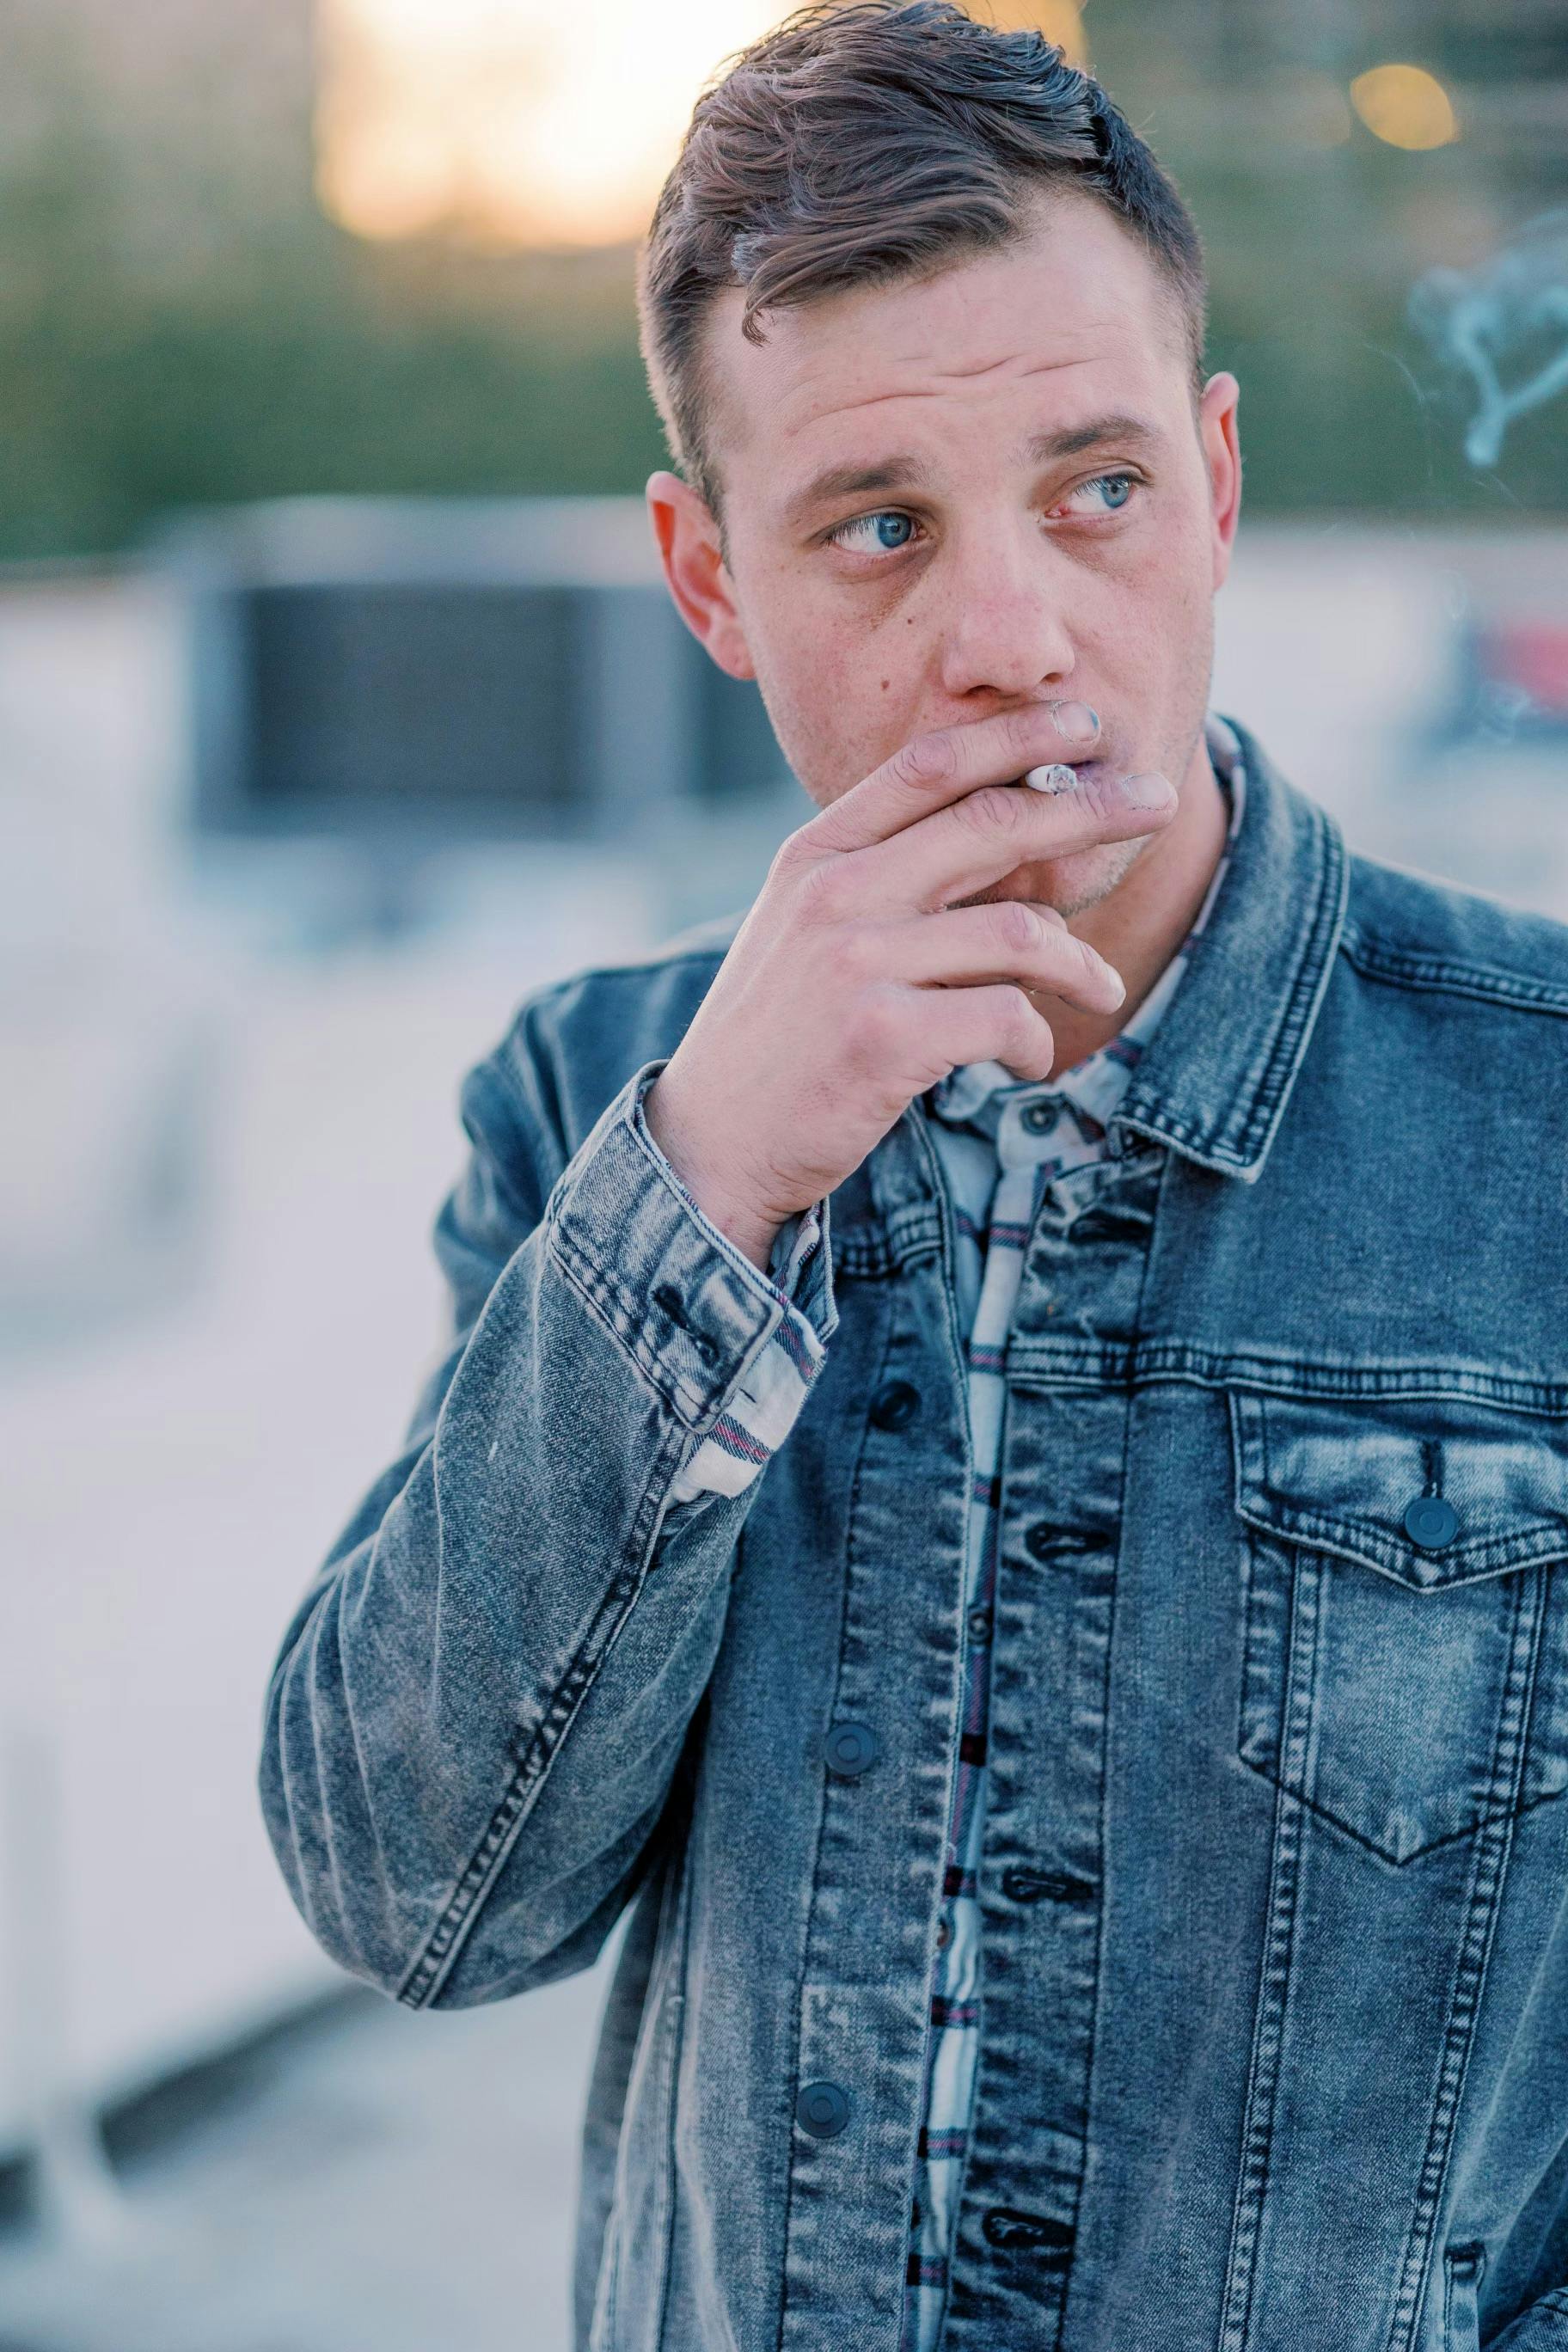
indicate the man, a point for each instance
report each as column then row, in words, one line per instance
column 1002, row 1474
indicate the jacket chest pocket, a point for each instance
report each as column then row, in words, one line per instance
column 1403, row 1667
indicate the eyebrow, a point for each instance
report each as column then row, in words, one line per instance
column 910, row 473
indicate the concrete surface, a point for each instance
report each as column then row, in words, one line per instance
column 381, row 2182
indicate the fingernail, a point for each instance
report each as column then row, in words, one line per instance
column 1055, row 779
column 1076, row 721
column 1147, row 791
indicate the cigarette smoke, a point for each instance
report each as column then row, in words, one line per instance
column 1501, row 330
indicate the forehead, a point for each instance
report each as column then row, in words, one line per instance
column 1071, row 311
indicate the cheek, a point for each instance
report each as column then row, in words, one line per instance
column 842, row 697
column 1154, row 609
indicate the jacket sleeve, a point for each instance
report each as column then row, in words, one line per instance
column 476, row 1715
column 1542, row 2328
column 746, row 1435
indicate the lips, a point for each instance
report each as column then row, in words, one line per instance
column 1085, row 772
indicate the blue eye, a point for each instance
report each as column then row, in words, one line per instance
column 882, row 523
column 1124, row 482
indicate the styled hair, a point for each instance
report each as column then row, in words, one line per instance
column 860, row 144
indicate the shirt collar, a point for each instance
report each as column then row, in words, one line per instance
column 976, row 1093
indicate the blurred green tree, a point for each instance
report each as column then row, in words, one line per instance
column 267, row 352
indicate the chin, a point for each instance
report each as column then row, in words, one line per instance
column 1069, row 884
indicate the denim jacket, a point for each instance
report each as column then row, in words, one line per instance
column 1274, row 1877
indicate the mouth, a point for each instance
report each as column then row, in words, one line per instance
column 1053, row 777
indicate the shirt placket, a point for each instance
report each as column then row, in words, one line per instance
column 1027, row 1130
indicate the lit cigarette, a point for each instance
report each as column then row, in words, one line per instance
column 1054, row 779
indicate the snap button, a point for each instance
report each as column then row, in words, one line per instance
column 1039, row 1116
column 848, row 1749
column 822, row 2109
column 1431, row 1522
column 980, row 1625
column 895, row 1405
column 668, row 1298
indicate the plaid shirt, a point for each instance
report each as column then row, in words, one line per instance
column 1001, row 1141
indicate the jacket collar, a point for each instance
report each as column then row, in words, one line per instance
column 1214, row 1081
column 1220, row 1066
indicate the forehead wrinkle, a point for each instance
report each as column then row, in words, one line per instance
column 935, row 392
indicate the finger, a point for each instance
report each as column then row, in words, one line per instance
column 932, row 769
column 985, row 1024
column 966, row 947
column 959, row 849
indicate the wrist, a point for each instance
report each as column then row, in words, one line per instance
column 752, row 1231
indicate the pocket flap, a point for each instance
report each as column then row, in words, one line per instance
column 1341, row 1475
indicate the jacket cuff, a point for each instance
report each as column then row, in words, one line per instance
column 762, row 1408
column 689, row 1308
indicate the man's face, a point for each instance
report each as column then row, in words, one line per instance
column 982, row 564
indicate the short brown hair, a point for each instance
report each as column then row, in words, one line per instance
column 856, row 145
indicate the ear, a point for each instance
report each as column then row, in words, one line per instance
column 695, row 571
column 1222, row 457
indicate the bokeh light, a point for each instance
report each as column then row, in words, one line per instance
column 1404, row 106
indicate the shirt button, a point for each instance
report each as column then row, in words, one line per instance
column 1035, row 1885
column 822, row 2109
column 980, row 1625
column 1431, row 1522
column 848, row 1749
column 1004, row 2226
column 1039, row 1116
column 895, row 1405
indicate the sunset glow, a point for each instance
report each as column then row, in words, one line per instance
column 513, row 121
column 521, row 123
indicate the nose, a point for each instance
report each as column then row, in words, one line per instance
column 1004, row 629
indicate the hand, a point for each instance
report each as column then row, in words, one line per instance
column 854, row 983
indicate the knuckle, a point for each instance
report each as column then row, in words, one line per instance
column 1023, row 1017
column 926, row 759
column 1022, row 1022
column 871, row 1030
column 823, row 889
column 792, row 854
column 845, row 958
column 1016, row 926
column 1023, row 735
column 1100, row 797
column 994, row 809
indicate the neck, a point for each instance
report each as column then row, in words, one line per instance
column 1139, row 926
